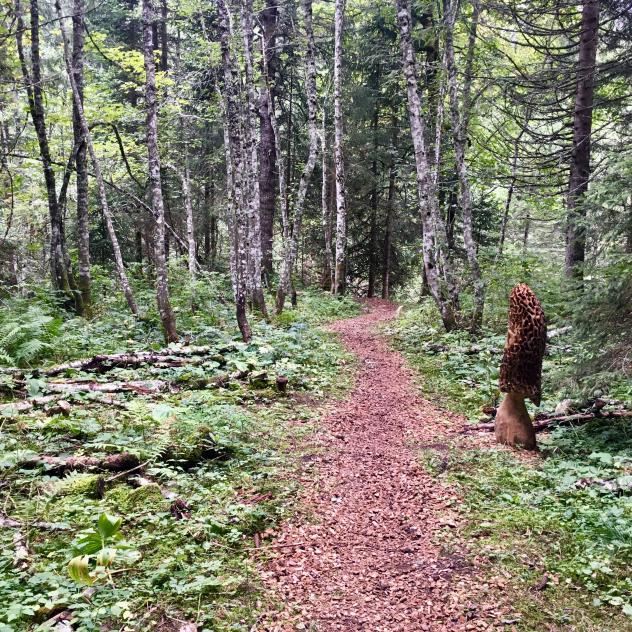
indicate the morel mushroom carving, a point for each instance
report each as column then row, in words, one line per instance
column 521, row 368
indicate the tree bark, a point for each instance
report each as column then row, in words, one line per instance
column 61, row 272
column 328, row 267
column 374, row 204
column 268, row 175
column 390, row 212
column 582, row 130
column 425, row 182
column 83, row 223
column 291, row 242
column 167, row 316
column 252, row 163
column 86, row 137
column 237, row 219
column 164, row 36
column 341, row 208
column 460, row 122
column 185, row 180
column 509, row 198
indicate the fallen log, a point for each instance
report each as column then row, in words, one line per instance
column 103, row 363
column 141, row 387
column 544, row 424
column 22, row 556
column 13, row 409
column 12, row 523
column 57, row 465
column 55, row 404
column 559, row 331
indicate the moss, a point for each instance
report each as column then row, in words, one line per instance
column 77, row 484
column 125, row 499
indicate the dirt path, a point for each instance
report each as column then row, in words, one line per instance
column 372, row 557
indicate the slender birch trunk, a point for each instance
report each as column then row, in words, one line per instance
column 84, row 280
column 280, row 171
column 96, row 165
column 425, row 181
column 460, row 122
column 185, row 180
column 61, row 271
column 231, row 210
column 235, row 175
column 291, row 242
column 252, row 163
column 341, row 208
column 162, row 287
column 328, row 278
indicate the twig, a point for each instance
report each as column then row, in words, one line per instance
column 121, row 474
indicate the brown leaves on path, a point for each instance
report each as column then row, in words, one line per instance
column 370, row 555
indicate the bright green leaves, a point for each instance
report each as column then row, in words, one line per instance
column 97, row 550
column 108, row 526
column 79, row 570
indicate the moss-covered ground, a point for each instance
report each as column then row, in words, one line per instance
column 215, row 455
column 554, row 530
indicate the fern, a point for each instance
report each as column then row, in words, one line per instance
column 25, row 334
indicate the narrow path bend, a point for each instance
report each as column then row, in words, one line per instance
column 371, row 555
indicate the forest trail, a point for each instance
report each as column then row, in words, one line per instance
column 370, row 556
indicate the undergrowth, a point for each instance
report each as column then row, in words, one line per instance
column 223, row 448
column 566, row 516
column 34, row 331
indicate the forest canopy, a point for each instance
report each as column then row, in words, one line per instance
column 448, row 149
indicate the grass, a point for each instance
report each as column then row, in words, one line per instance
column 566, row 515
column 229, row 453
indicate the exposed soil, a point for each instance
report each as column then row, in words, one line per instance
column 379, row 549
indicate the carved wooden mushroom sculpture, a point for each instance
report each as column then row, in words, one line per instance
column 521, row 368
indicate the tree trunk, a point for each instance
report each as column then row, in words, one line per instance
column 188, row 207
column 252, row 164
column 164, row 36
column 460, row 122
column 86, row 135
column 425, row 182
column 83, row 223
column 328, row 267
column 582, row 129
column 237, row 218
column 291, row 242
column 390, row 212
column 341, row 208
column 279, row 168
column 374, row 206
column 509, row 198
column 268, row 175
column 628, row 231
column 61, row 273
column 158, row 210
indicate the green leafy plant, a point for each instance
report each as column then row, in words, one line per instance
column 26, row 332
column 96, row 550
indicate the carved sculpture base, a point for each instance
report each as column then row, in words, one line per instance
column 513, row 425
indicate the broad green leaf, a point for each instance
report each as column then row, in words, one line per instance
column 79, row 570
column 108, row 525
column 106, row 557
